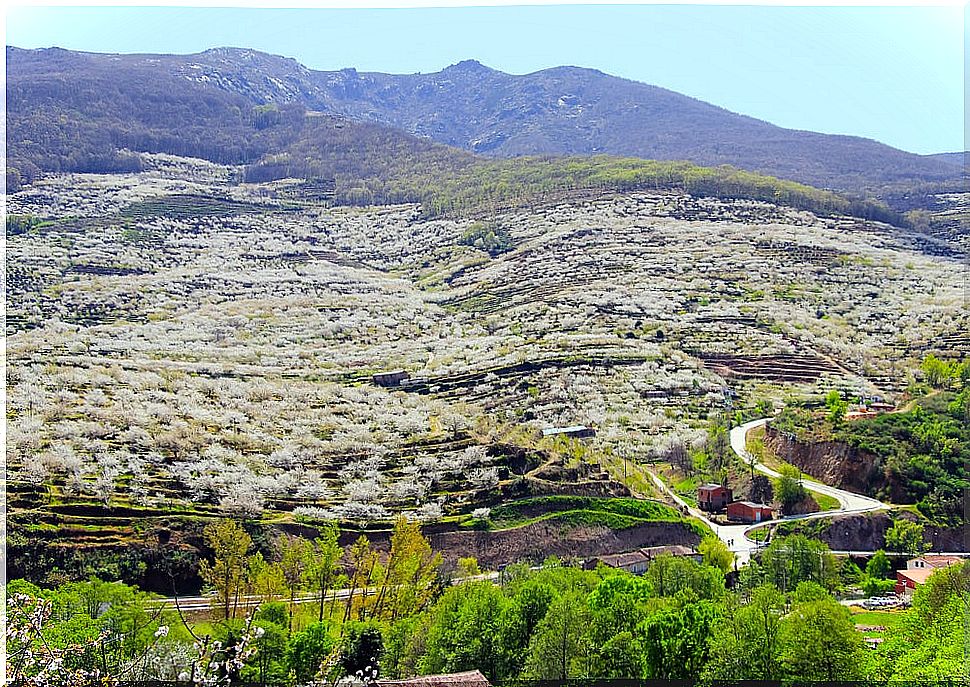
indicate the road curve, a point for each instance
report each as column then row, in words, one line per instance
column 736, row 536
column 848, row 501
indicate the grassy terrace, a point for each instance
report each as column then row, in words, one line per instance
column 628, row 472
column 615, row 513
column 825, row 502
column 687, row 489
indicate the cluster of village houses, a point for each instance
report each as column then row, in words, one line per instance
column 916, row 572
column 714, row 498
column 711, row 498
column 919, row 569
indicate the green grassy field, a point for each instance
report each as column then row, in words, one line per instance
column 887, row 619
column 758, row 534
column 825, row 502
column 616, row 513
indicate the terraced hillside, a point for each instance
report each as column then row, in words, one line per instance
column 169, row 366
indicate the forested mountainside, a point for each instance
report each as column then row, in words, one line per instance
column 76, row 112
column 572, row 110
column 957, row 158
column 71, row 111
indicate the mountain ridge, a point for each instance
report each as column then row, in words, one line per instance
column 565, row 110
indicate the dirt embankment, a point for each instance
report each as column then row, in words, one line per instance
column 539, row 540
column 867, row 532
column 831, row 462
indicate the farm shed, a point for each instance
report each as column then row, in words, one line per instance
column 908, row 580
column 392, row 378
column 635, row 562
column 576, row 432
column 713, row 497
column 747, row 511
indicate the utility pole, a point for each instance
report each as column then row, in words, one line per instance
column 966, row 637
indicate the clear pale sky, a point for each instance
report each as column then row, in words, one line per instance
column 895, row 74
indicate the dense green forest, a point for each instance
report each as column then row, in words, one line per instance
column 923, row 452
column 679, row 620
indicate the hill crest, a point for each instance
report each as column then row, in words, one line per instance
column 562, row 110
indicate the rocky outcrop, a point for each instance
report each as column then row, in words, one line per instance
column 867, row 532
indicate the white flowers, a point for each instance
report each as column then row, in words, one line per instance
column 162, row 631
column 241, row 378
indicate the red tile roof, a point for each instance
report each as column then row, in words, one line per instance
column 673, row 549
column 939, row 560
column 469, row 678
column 916, row 575
column 620, row 560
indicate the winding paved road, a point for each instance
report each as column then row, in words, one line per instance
column 848, row 501
column 736, row 536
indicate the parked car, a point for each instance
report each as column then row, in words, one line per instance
column 880, row 602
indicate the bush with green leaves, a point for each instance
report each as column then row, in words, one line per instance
column 491, row 237
column 789, row 489
column 906, row 536
column 308, row 650
column 928, row 645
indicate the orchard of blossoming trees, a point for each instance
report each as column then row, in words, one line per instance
column 179, row 345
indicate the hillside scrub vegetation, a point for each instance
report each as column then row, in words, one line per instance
column 520, row 180
column 57, row 126
column 72, row 111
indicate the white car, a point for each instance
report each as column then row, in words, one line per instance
column 880, row 602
